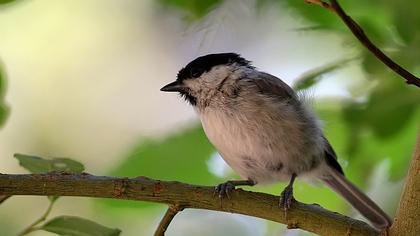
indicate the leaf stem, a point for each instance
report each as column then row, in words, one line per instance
column 32, row 227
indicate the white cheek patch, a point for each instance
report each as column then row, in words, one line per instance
column 192, row 84
column 209, row 80
column 220, row 79
column 217, row 74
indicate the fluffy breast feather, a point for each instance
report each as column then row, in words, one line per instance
column 260, row 139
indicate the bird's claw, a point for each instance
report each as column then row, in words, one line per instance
column 286, row 198
column 224, row 189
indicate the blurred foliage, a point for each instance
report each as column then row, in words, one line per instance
column 6, row 1
column 390, row 103
column 4, row 109
column 383, row 114
column 387, row 110
column 193, row 9
column 313, row 76
column 383, row 104
column 76, row 226
column 180, row 157
column 61, row 225
column 379, row 121
column 361, row 11
column 36, row 164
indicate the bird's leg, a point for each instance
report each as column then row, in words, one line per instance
column 224, row 189
column 286, row 197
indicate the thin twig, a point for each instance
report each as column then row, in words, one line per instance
column 362, row 37
column 320, row 3
column 310, row 217
column 167, row 219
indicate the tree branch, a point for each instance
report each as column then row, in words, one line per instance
column 408, row 214
column 335, row 7
column 312, row 218
column 167, row 219
column 3, row 198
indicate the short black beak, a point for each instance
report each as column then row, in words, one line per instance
column 173, row 87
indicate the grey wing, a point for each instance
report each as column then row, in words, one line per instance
column 271, row 85
column 275, row 87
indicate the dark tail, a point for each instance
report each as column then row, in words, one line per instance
column 357, row 199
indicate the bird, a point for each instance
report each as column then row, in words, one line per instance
column 264, row 130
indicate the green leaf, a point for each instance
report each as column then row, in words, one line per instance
column 395, row 101
column 312, row 77
column 6, row 1
column 360, row 10
column 35, row 164
column 76, row 226
column 67, row 165
column 406, row 19
column 372, row 149
column 314, row 14
column 387, row 110
column 4, row 109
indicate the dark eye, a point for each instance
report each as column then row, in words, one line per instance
column 196, row 72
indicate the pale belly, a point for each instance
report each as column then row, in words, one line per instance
column 262, row 152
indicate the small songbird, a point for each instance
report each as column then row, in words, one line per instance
column 263, row 130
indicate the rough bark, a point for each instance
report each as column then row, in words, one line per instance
column 312, row 218
column 407, row 219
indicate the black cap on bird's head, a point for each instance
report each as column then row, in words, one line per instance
column 203, row 64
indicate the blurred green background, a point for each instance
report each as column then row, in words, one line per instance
column 81, row 79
